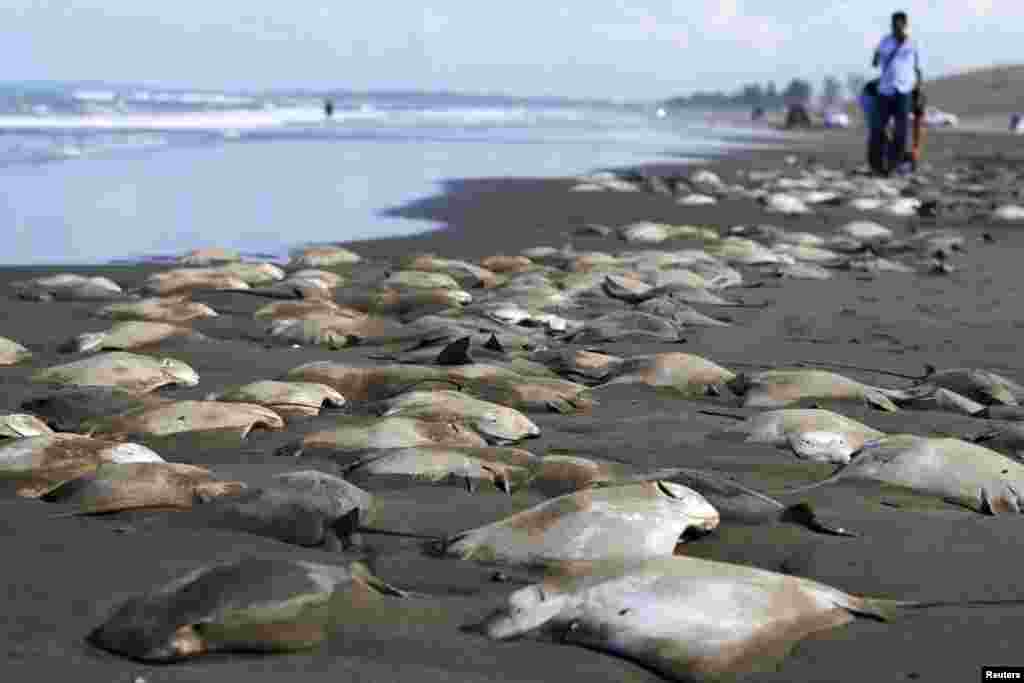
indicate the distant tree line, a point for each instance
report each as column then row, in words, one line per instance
column 769, row 97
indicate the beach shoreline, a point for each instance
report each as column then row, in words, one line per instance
column 65, row 575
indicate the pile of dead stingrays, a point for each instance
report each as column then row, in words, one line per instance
column 968, row 192
column 449, row 400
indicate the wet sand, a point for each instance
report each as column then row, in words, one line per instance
column 64, row 576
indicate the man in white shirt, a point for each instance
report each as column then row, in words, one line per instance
column 897, row 56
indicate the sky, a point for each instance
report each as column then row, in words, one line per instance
column 638, row 50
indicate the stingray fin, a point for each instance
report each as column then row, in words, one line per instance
column 361, row 572
column 347, row 525
column 456, row 353
column 210, row 490
column 877, row 399
column 804, row 515
column 561, row 406
column 493, row 344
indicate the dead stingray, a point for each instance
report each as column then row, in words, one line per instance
column 248, row 605
column 498, row 424
column 956, row 471
column 287, row 399
column 171, row 309
column 69, row 409
column 131, row 372
column 116, row 487
column 36, row 464
column 646, row 519
column 687, row 619
column 503, row 467
column 175, row 417
column 355, row 435
column 129, row 334
column 690, row 375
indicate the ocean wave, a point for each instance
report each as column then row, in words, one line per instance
column 100, row 120
column 96, row 111
column 39, row 149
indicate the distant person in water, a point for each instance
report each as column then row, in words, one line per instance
column 328, row 108
column 898, row 58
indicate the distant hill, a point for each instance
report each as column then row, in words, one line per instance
column 983, row 92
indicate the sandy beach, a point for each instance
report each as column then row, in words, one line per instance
column 65, row 575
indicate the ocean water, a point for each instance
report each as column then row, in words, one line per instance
column 97, row 175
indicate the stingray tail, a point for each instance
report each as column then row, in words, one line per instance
column 716, row 413
column 800, row 489
column 929, row 369
column 363, row 572
column 882, row 609
column 349, row 525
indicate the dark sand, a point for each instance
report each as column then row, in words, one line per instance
column 63, row 576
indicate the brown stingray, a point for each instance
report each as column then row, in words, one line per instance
column 129, row 334
column 36, row 464
column 339, row 330
column 187, row 416
column 686, row 373
column 528, row 394
column 115, row 487
column 556, row 475
column 369, row 383
column 296, row 310
column 170, row 309
column 685, row 618
column 579, row 365
column 184, row 280
column 209, row 256
column 389, row 301
column 128, row 371
column 287, row 399
column 356, row 435
column 503, row 467
column 250, row 605
column 507, row 264
column 466, row 274
column 324, row 256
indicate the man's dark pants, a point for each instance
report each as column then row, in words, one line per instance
column 885, row 158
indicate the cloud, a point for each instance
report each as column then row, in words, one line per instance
column 981, row 8
column 628, row 47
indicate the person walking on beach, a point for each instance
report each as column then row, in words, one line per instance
column 897, row 56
